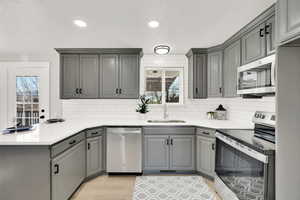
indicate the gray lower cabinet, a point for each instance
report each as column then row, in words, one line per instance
column 156, row 152
column 253, row 44
column 206, row 155
column 232, row 60
column 214, row 74
column 94, row 155
column 68, row 171
column 288, row 19
column 169, row 152
column 109, row 76
column 70, row 75
column 197, row 70
column 182, row 155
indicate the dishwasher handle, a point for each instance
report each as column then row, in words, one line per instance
column 124, row 130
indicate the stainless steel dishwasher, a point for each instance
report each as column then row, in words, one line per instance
column 124, row 150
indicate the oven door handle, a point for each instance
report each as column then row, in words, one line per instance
column 242, row 148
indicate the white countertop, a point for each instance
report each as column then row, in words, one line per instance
column 48, row 134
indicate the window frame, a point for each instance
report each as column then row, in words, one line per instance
column 181, row 84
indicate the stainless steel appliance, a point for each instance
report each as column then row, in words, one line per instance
column 257, row 77
column 245, row 161
column 124, row 150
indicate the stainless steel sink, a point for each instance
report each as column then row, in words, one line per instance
column 166, row 121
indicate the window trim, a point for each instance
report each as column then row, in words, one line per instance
column 181, row 84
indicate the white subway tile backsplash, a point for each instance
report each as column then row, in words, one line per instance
column 238, row 108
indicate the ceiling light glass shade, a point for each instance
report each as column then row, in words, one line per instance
column 153, row 24
column 80, row 23
column 162, row 49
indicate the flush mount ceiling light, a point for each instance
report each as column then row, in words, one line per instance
column 153, row 24
column 80, row 23
column 162, row 49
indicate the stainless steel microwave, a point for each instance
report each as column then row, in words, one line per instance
column 257, row 77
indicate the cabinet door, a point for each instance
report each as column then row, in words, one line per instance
column 200, row 78
column 214, row 74
column 270, row 35
column 253, row 45
column 288, row 19
column 89, row 76
column 109, row 76
column 182, row 150
column 70, row 76
column 206, row 155
column 129, row 76
column 94, row 155
column 232, row 56
column 156, row 152
column 68, row 171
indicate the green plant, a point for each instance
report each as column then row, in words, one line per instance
column 143, row 105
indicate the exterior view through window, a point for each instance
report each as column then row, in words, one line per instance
column 27, row 94
column 164, row 86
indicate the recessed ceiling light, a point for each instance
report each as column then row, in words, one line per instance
column 153, row 24
column 80, row 23
column 162, row 49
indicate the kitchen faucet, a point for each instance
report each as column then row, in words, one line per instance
column 165, row 113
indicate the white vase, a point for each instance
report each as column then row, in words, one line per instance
column 142, row 116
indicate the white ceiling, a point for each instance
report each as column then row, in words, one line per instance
column 31, row 26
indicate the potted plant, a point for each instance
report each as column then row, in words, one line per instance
column 143, row 105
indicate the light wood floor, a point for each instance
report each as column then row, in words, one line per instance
column 112, row 188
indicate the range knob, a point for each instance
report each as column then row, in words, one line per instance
column 263, row 117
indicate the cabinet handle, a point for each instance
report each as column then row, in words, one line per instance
column 167, row 141
column 120, row 91
column 89, row 146
column 80, row 91
column 196, row 90
column 205, row 133
column 56, row 166
column 72, row 142
column 213, row 146
column 261, row 32
column 267, row 31
column 77, row 91
column 220, row 90
column 94, row 133
column 117, row 91
column 171, row 141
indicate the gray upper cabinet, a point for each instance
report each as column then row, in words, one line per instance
column 270, row 32
column 288, row 19
column 214, row 74
column 94, row 155
column 232, row 61
column 182, row 154
column 89, row 73
column 109, row 76
column 99, row 73
column 197, row 83
column 206, row 155
column 70, row 75
column 68, row 171
column 129, row 76
column 253, row 44
column 156, row 152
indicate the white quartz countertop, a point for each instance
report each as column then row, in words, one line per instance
column 49, row 134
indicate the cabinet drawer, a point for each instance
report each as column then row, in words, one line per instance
column 94, row 132
column 169, row 130
column 67, row 143
column 205, row 132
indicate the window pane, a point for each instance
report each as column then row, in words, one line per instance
column 172, row 86
column 154, row 86
column 27, row 98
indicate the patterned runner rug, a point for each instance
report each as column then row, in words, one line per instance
column 172, row 188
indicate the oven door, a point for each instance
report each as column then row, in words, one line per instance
column 257, row 77
column 240, row 169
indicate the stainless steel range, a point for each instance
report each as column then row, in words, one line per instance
column 245, row 161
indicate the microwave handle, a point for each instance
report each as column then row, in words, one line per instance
column 273, row 74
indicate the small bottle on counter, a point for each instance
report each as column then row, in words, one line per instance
column 221, row 113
